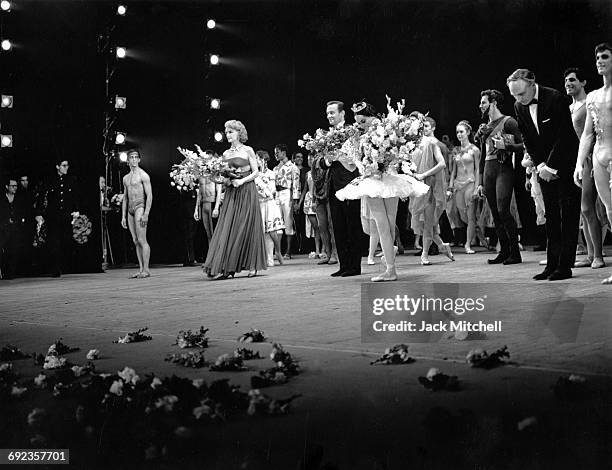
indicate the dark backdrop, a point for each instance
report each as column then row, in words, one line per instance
column 281, row 61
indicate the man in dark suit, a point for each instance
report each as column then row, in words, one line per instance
column 57, row 202
column 345, row 214
column 12, row 219
column 546, row 124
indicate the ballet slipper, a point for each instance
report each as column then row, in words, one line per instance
column 425, row 260
column 144, row 275
column 598, row 263
column 607, row 280
column 447, row 249
column 135, row 275
column 469, row 250
column 388, row 275
column 371, row 260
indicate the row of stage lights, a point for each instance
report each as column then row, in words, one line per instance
column 121, row 101
column 6, row 140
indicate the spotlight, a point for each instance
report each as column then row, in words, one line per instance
column 6, row 140
column 121, row 10
column 120, row 102
column 5, row 5
column 123, row 156
column 218, row 136
column 120, row 52
column 6, row 45
column 210, row 24
column 7, row 101
column 215, row 103
column 214, row 59
column 120, row 138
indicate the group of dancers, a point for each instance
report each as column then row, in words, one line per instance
column 544, row 131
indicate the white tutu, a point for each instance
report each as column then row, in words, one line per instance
column 387, row 186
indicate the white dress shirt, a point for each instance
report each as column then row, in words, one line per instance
column 533, row 109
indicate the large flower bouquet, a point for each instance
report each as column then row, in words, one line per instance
column 328, row 142
column 185, row 175
column 388, row 143
column 81, row 228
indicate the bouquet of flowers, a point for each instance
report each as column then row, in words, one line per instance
column 390, row 141
column 198, row 164
column 134, row 337
column 314, row 144
column 117, row 199
column 81, row 228
column 328, row 142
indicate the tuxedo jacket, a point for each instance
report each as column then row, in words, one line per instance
column 556, row 144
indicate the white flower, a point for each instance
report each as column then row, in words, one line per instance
column 40, row 380
column 431, row 373
column 78, row 370
column 36, row 416
column 18, row 391
column 93, row 354
column 414, row 127
column 198, row 383
column 117, row 388
column 52, row 351
column 6, row 367
column 166, row 403
column 129, row 375
column 54, row 362
column 577, row 378
column 300, row 143
column 155, row 383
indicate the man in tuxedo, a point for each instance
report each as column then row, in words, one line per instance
column 345, row 214
column 546, row 125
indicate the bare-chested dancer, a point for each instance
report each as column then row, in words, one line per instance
column 597, row 133
column 137, row 200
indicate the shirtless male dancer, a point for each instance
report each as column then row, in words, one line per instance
column 137, row 200
column 597, row 134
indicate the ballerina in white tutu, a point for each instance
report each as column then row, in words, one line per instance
column 381, row 190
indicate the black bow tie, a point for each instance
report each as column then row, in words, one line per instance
column 533, row 101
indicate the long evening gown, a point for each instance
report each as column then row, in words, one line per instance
column 238, row 240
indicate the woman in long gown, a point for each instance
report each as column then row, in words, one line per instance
column 380, row 192
column 427, row 209
column 238, row 239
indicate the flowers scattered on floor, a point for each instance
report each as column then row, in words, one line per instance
column 284, row 368
column 189, row 339
column 481, row 359
column 225, row 362
column 190, row 359
column 11, row 353
column 134, row 337
column 246, row 354
column 55, row 362
column 397, row 354
column 253, row 336
column 572, row 387
column 58, row 348
column 93, row 354
column 263, row 404
column 435, row 380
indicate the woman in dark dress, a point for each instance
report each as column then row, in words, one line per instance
column 238, row 239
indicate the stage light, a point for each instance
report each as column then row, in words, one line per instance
column 123, row 156
column 6, row 45
column 210, row 24
column 6, row 140
column 215, row 103
column 5, row 5
column 120, row 102
column 218, row 136
column 121, row 10
column 120, row 138
column 120, row 52
column 214, row 59
column 7, row 101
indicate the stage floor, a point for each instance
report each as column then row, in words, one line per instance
column 349, row 408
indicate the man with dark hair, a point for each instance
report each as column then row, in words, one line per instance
column 597, row 135
column 499, row 139
column 345, row 214
column 287, row 178
column 137, row 201
column 26, row 193
column 546, row 125
column 57, row 203
column 591, row 227
column 12, row 218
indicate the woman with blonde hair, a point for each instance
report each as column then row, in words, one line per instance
column 238, row 240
